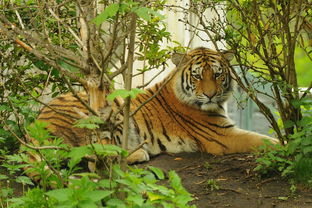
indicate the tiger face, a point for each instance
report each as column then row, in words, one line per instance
column 203, row 79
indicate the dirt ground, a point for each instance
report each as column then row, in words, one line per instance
column 233, row 183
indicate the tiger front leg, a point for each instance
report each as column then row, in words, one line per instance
column 240, row 141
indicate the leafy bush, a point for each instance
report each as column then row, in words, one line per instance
column 293, row 159
column 136, row 187
column 69, row 186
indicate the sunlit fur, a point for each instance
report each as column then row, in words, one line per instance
column 185, row 115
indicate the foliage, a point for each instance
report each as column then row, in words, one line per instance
column 124, row 93
column 212, row 184
column 139, row 185
column 84, row 189
column 294, row 159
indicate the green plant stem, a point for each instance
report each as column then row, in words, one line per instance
column 128, row 83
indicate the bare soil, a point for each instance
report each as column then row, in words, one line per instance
column 236, row 185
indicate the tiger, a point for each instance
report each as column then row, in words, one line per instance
column 185, row 112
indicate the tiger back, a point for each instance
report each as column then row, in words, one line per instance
column 185, row 112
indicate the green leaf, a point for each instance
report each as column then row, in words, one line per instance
column 153, row 197
column 143, row 13
column 77, row 153
column 106, row 183
column 3, row 177
column 87, row 126
column 6, row 192
column 86, row 203
column 38, row 131
column 120, row 92
column 288, row 124
column 97, row 195
column 109, row 11
column 118, row 171
column 135, row 91
column 175, row 180
column 307, row 150
column 61, row 194
column 90, row 122
column 124, row 93
column 109, row 150
column 86, row 174
column 24, row 180
column 137, row 199
column 67, row 66
column 147, row 13
column 158, row 172
column 283, row 198
column 5, row 108
column 115, row 203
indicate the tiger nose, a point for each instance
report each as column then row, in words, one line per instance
column 210, row 95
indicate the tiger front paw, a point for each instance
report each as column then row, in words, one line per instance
column 138, row 156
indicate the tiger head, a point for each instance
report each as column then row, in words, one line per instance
column 203, row 79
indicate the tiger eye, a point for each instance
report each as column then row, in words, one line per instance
column 197, row 76
column 222, row 77
column 217, row 75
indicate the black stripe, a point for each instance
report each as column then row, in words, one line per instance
column 161, row 146
column 190, row 120
column 165, row 132
column 73, row 138
column 181, row 140
column 220, row 106
column 67, row 106
column 137, row 128
column 212, row 124
column 117, row 103
column 58, row 119
column 216, row 115
column 157, row 86
column 172, row 112
column 155, row 107
column 65, row 113
column 188, row 83
column 117, row 139
column 150, row 91
column 169, row 112
column 73, row 100
column 146, row 121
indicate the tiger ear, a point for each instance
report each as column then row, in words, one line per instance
column 179, row 58
column 229, row 54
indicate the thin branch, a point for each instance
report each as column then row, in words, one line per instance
column 147, row 83
column 57, row 51
column 20, row 19
column 103, row 74
column 307, row 91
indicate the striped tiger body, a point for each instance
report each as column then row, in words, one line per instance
column 186, row 113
